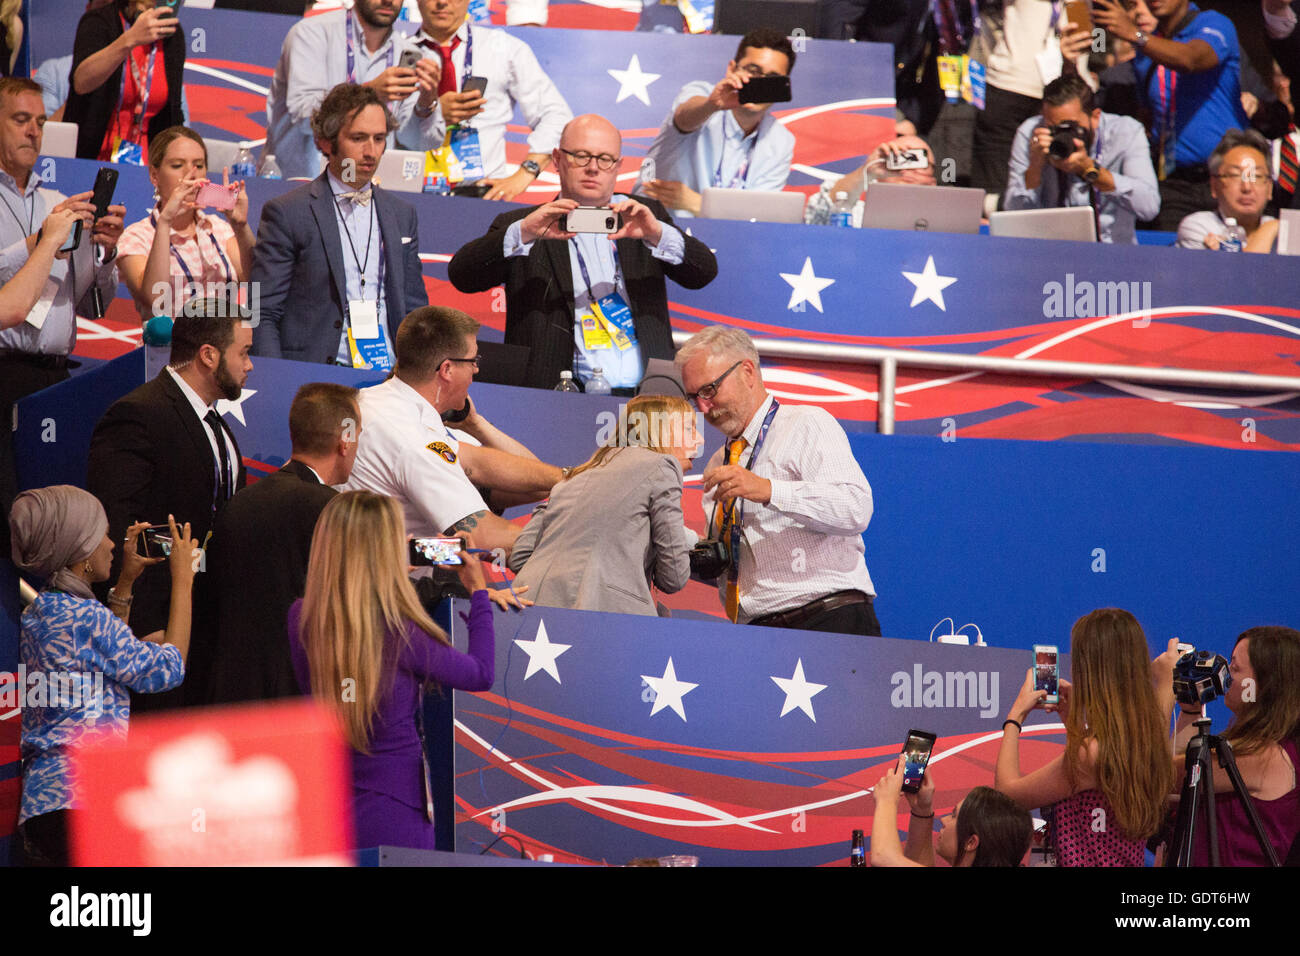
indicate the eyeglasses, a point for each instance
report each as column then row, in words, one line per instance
column 581, row 157
column 468, row 361
column 707, row 392
column 754, row 70
column 1243, row 176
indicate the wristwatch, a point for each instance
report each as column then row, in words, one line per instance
column 1092, row 173
column 532, row 167
column 1140, row 39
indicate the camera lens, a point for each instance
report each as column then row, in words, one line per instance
column 609, row 223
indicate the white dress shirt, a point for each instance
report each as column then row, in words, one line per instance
column 313, row 60
column 806, row 542
column 514, row 78
column 407, row 452
column 362, row 248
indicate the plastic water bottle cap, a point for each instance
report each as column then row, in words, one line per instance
column 841, row 195
column 1229, row 222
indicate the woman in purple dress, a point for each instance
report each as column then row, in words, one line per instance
column 1265, row 702
column 365, row 648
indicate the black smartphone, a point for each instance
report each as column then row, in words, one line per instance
column 766, row 89
column 156, row 542
column 475, row 190
column 916, row 755
column 436, row 552
column 475, row 84
column 105, row 184
column 455, row 415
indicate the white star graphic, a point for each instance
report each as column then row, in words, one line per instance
column 633, row 82
column 806, row 286
column 236, row 408
column 669, row 691
column 542, row 654
column 798, row 692
column 929, row 285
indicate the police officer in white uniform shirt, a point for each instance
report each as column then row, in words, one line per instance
column 406, row 450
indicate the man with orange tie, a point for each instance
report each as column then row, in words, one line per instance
column 784, row 495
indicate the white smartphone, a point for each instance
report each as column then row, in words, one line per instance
column 1046, row 673
column 592, row 219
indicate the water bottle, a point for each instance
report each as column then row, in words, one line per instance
column 842, row 210
column 270, row 168
column 596, row 385
column 1235, row 240
column 567, row 384
column 243, row 167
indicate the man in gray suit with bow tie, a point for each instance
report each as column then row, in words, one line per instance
column 337, row 260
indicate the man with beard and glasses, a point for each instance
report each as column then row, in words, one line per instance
column 165, row 450
column 342, row 46
column 1108, row 166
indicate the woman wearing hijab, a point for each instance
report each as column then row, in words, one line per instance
column 81, row 658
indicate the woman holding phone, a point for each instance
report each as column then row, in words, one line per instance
column 178, row 252
column 365, row 648
column 986, row 828
column 60, row 535
column 127, row 62
column 1106, row 793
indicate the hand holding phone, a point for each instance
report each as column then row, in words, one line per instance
column 916, row 756
column 596, row 219
column 217, row 196
column 436, row 552
column 766, row 89
column 1046, row 672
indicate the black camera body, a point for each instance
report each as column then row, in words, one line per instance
column 1200, row 677
column 709, row 559
column 1063, row 137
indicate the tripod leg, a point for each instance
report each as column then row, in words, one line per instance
column 1229, row 763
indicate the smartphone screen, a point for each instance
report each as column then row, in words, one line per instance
column 436, row 552
column 156, row 542
column 1046, row 674
column 916, row 755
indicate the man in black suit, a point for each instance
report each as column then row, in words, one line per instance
column 552, row 282
column 257, row 564
column 163, row 449
column 337, row 260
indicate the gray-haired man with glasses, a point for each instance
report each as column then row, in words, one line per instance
column 586, row 300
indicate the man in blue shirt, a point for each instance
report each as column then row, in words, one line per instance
column 1188, row 77
column 1109, row 167
column 710, row 138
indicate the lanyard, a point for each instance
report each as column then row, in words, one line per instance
column 951, row 39
column 361, row 265
column 141, row 91
column 742, row 174
column 586, row 278
column 29, row 206
column 348, row 35
column 467, row 68
column 749, row 466
column 225, row 263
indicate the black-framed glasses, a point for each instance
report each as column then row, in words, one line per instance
column 581, row 157
column 756, row 71
column 707, row 392
column 469, row 361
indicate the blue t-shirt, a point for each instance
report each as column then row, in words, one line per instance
column 1207, row 104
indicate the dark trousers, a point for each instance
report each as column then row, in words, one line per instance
column 995, row 129
column 44, row 839
column 1181, row 197
column 18, row 379
column 859, row 618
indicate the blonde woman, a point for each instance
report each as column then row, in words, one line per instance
column 1105, row 795
column 614, row 526
column 365, row 647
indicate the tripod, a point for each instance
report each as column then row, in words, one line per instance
column 1198, row 794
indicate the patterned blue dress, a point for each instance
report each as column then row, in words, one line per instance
column 79, row 661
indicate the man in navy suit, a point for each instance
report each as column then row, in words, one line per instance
column 337, row 260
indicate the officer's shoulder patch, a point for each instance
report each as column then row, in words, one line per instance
column 443, row 449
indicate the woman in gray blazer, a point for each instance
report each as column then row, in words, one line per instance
column 614, row 526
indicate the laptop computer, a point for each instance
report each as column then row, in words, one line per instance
column 401, row 170
column 501, row 364
column 59, row 139
column 752, row 205
column 1075, row 222
column 922, row 208
column 1288, row 233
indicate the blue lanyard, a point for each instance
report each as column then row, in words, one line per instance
column 738, row 508
column 742, row 174
column 353, row 26
column 586, row 278
column 225, row 263
column 361, row 266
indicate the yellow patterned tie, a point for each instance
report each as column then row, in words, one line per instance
column 734, row 450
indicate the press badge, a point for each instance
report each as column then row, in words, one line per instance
column 125, row 151
column 616, row 319
column 363, row 318
column 36, row 317
column 366, row 346
column 594, row 335
column 463, row 141
column 950, row 76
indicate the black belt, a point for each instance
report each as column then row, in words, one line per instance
column 795, row 617
column 39, row 360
